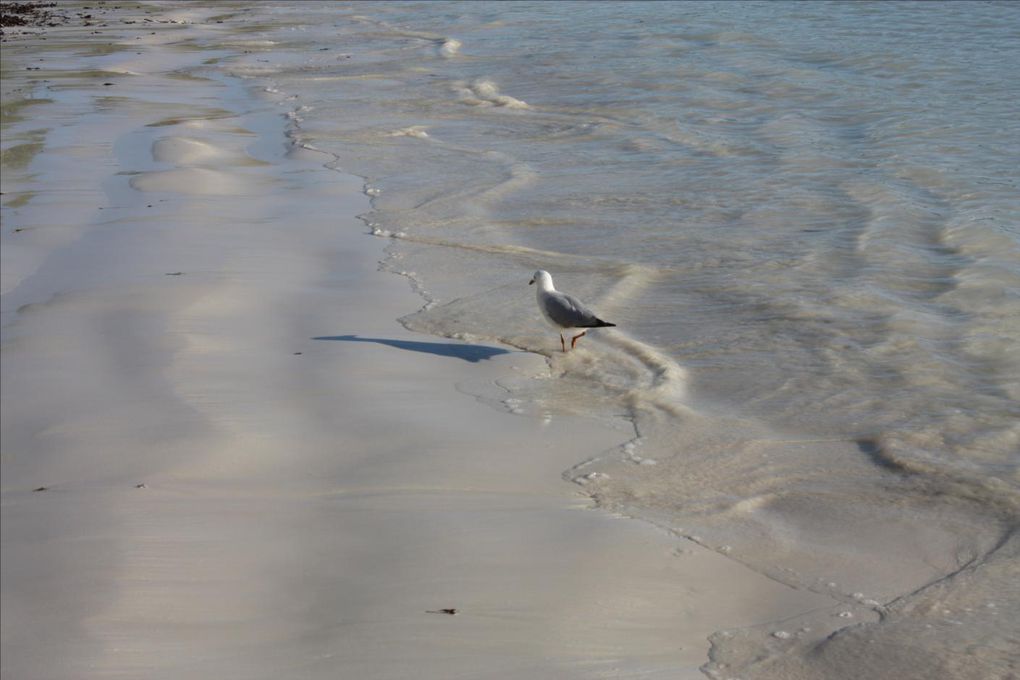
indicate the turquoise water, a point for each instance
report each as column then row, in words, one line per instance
column 804, row 218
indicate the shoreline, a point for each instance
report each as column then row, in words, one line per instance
column 246, row 466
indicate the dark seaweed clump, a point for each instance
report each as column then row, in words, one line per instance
column 25, row 13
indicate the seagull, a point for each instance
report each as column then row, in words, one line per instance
column 564, row 311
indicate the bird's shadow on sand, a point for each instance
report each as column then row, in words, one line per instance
column 472, row 353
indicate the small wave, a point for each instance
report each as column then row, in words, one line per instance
column 909, row 454
column 665, row 382
column 376, row 230
column 484, row 92
column 450, row 47
column 418, row 131
column 296, row 116
column 474, row 198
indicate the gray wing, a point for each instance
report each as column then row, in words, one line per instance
column 567, row 311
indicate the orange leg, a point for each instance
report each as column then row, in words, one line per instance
column 563, row 344
column 573, row 341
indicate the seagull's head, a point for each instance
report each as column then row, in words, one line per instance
column 542, row 278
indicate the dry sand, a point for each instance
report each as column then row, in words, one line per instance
column 222, row 455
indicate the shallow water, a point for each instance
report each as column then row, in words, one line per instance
column 804, row 218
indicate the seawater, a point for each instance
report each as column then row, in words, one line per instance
column 804, row 219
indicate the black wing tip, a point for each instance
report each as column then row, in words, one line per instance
column 599, row 323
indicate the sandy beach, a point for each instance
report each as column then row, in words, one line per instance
column 223, row 457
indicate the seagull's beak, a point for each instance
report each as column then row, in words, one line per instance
column 531, row 282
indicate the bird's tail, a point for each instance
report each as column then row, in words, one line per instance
column 599, row 323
